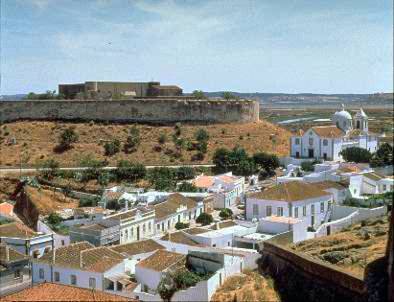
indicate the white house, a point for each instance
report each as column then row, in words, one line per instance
column 177, row 208
column 338, row 190
column 370, row 183
column 226, row 188
column 26, row 241
column 291, row 199
column 83, row 265
column 135, row 224
column 326, row 142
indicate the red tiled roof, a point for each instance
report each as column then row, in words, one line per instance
column 59, row 292
column 17, row 230
column 6, row 208
column 161, row 260
column 328, row 131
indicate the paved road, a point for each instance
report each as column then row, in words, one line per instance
column 29, row 170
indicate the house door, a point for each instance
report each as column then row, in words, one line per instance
column 138, row 233
column 311, row 153
column 325, row 156
column 297, row 154
column 328, row 230
column 312, row 220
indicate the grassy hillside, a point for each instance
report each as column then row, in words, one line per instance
column 36, row 140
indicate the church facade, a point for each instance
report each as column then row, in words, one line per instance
column 327, row 142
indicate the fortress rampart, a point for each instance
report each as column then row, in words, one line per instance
column 160, row 110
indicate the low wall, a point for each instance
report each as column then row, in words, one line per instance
column 133, row 110
column 301, row 278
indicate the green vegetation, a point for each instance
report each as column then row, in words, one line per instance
column 226, row 213
column 181, row 225
column 55, row 223
column 356, row 154
column 88, row 201
column 48, row 169
column 112, row 147
column 240, row 163
column 199, row 94
column 133, row 140
column 127, row 170
column 374, row 201
column 66, row 139
column 48, row 95
column 383, row 156
column 187, row 187
column 309, row 166
column 229, row 96
column 204, row 219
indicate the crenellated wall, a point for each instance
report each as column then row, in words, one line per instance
column 161, row 110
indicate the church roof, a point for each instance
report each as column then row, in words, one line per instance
column 344, row 114
column 328, row 131
column 361, row 113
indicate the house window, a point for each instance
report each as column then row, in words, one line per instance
column 131, row 232
column 304, row 211
column 311, row 141
column 150, row 226
column 268, row 211
column 92, row 282
column 384, row 187
column 158, row 226
column 62, row 242
column 168, row 224
column 296, row 212
column 279, row 211
column 322, row 207
column 56, row 276
column 312, row 209
column 255, row 210
column 297, row 141
column 41, row 273
column 126, row 234
column 73, row 280
column 290, row 211
column 17, row 274
column 329, row 205
column 143, row 227
column 325, row 142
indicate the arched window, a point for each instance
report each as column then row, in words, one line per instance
column 358, row 125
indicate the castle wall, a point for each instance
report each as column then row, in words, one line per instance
column 135, row 110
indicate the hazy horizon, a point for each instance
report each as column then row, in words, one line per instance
column 319, row 47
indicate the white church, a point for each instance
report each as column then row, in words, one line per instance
column 326, row 142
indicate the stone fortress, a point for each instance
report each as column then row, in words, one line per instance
column 147, row 102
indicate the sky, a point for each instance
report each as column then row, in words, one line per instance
column 289, row 46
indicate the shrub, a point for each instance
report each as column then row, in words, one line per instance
column 87, row 201
column 127, row 170
column 178, row 129
column 93, row 166
column 66, row 139
column 111, row 148
column 226, row 213
column 181, row 225
column 201, row 135
column 48, row 169
column 185, row 173
column 133, row 140
column 356, row 154
column 187, row 187
column 162, row 138
column 54, row 219
column 204, row 219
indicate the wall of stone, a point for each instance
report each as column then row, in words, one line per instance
column 134, row 110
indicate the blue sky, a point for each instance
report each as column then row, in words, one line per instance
column 335, row 46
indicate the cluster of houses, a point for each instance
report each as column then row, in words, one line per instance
column 129, row 252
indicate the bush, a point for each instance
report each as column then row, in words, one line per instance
column 54, row 219
column 111, row 148
column 307, row 166
column 204, row 219
column 87, row 201
column 48, row 169
column 127, row 170
column 181, row 225
column 133, row 140
column 178, row 129
column 162, row 138
column 201, row 135
column 185, row 173
column 356, row 154
column 226, row 213
column 113, row 205
column 94, row 168
column 187, row 187
column 185, row 279
column 66, row 139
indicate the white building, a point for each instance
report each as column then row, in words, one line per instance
column 135, row 224
column 83, row 265
column 291, row 199
column 26, row 241
column 226, row 188
column 177, row 208
column 370, row 183
column 326, row 142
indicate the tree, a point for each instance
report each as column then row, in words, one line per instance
column 48, row 169
column 245, row 167
column 187, row 187
column 54, row 219
column 383, row 156
column 127, row 170
column 181, row 225
column 204, row 219
column 133, row 140
column 162, row 178
column 356, row 154
column 185, row 173
column 66, row 139
column 199, row 94
column 268, row 162
column 111, row 148
column 307, row 166
column 201, row 135
column 229, row 96
column 93, row 167
column 226, row 213
column 221, row 160
column 178, row 129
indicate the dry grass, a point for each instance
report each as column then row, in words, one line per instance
column 351, row 249
column 38, row 139
column 249, row 286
